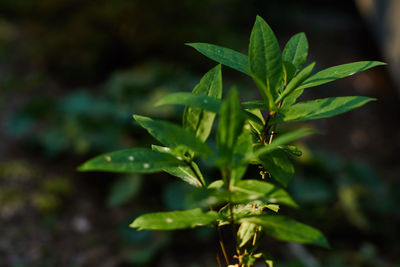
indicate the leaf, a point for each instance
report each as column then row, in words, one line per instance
column 265, row 61
column 173, row 136
column 289, row 71
column 225, row 56
column 271, row 192
column 174, row 220
column 138, row 160
column 201, row 101
column 286, row 229
column 279, row 141
column 124, row 190
column 230, row 127
column 338, row 72
column 184, row 172
column 296, row 50
column 198, row 120
column 257, row 104
column 320, row 108
column 243, row 147
column 298, row 79
column 246, row 232
column 292, row 150
column 279, row 166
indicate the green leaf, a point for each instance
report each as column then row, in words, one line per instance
column 246, row 232
column 225, row 56
column 184, row 172
column 257, row 104
column 279, row 166
column 124, row 190
column 270, row 192
column 174, row 220
column 298, row 79
column 296, row 50
column 201, row 101
column 320, row 108
column 196, row 119
column 292, row 150
column 230, row 127
column 289, row 71
column 338, row 72
column 286, row 229
column 138, row 160
column 278, row 142
column 265, row 61
column 174, row 136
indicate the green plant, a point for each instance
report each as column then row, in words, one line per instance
column 244, row 137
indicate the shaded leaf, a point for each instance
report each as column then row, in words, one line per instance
column 124, row 190
column 225, row 56
column 286, row 229
column 173, row 136
column 230, row 127
column 278, row 165
column 320, row 108
column 265, row 61
column 270, row 192
column 139, row 160
column 296, row 50
column 196, row 119
column 174, row 220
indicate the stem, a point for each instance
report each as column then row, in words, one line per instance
column 220, row 239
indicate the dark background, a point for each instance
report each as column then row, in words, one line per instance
column 73, row 72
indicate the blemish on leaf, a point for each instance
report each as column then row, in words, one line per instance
column 169, row 220
column 131, row 158
column 146, row 165
column 108, row 158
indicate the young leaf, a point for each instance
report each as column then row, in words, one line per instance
column 271, row 192
column 338, row 72
column 225, row 56
column 286, row 229
column 138, row 160
column 320, row 108
column 296, row 50
column 201, row 101
column 174, row 220
column 185, row 172
column 197, row 120
column 298, row 79
column 173, row 136
column 230, row 127
column 279, row 166
column 265, row 61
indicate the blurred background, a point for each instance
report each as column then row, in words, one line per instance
column 73, row 72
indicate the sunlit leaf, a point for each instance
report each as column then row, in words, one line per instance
column 174, row 220
column 173, row 136
column 139, row 160
column 320, row 108
column 296, row 50
column 265, row 61
column 225, row 56
column 198, row 120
